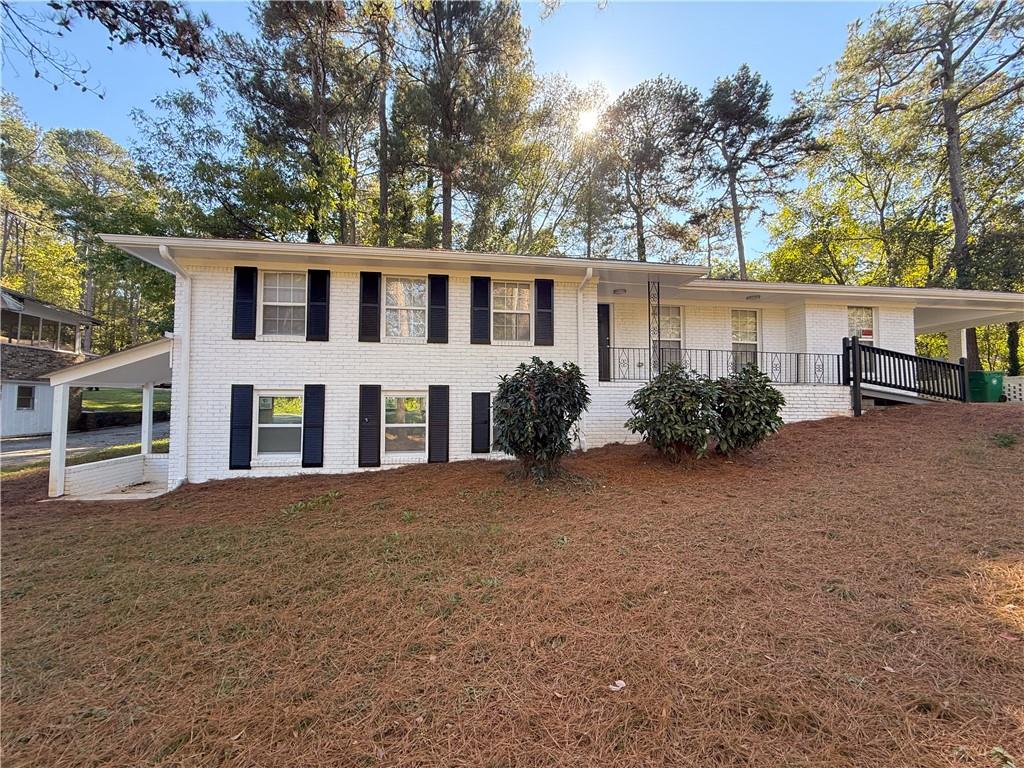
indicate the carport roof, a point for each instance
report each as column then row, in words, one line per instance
column 148, row 363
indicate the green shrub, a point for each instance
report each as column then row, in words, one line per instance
column 536, row 411
column 676, row 412
column 681, row 413
column 748, row 409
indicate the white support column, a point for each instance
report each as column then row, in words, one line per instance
column 957, row 345
column 58, row 439
column 147, row 418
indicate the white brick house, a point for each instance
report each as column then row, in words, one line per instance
column 289, row 358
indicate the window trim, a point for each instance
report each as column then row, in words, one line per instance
column 260, row 275
column 32, row 397
column 278, row 458
column 404, row 457
column 873, row 341
column 384, row 310
column 529, row 312
column 757, row 326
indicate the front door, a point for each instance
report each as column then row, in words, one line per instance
column 604, row 342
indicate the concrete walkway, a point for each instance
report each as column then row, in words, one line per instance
column 17, row 451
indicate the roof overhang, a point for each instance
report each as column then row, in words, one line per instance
column 29, row 305
column 169, row 252
column 148, row 363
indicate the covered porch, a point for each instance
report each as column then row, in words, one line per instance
column 137, row 476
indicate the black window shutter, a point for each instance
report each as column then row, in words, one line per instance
column 369, row 306
column 243, row 315
column 318, row 305
column 313, row 425
column 544, row 313
column 481, row 422
column 480, row 310
column 437, row 424
column 437, row 314
column 369, row 425
column 240, row 451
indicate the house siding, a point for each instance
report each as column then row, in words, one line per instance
column 342, row 364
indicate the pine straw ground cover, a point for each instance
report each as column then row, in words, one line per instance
column 850, row 594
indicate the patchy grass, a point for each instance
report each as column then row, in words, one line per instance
column 850, row 594
column 123, row 399
column 160, row 445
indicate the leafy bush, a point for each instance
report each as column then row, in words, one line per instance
column 681, row 413
column 748, row 409
column 536, row 411
column 675, row 412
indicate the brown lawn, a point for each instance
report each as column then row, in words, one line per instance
column 851, row 594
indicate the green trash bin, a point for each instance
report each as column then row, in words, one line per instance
column 985, row 386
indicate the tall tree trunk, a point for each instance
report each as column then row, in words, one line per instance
column 1013, row 348
column 88, row 305
column 383, row 169
column 960, row 256
column 446, row 209
column 641, row 238
column 737, row 225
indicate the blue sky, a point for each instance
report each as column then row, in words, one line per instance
column 618, row 45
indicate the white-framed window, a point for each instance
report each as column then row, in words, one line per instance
column 671, row 333
column 405, row 425
column 861, row 321
column 510, row 310
column 278, row 429
column 405, row 307
column 283, row 303
column 26, row 397
column 744, row 337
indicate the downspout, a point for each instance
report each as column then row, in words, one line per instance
column 579, row 346
column 183, row 368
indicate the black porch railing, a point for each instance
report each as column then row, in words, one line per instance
column 636, row 364
column 865, row 364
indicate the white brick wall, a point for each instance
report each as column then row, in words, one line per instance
column 343, row 363
column 608, row 409
column 110, row 474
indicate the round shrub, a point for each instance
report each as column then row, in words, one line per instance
column 536, row 411
column 748, row 409
column 675, row 412
column 681, row 413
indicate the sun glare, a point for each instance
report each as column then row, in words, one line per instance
column 587, row 121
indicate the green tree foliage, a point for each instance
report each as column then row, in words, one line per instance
column 536, row 414
column 468, row 91
column 747, row 151
column 749, row 408
column 645, row 131
column 84, row 184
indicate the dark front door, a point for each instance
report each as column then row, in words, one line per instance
column 604, row 342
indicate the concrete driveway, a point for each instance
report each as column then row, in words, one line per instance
column 17, row 451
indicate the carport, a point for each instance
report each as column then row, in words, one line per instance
column 126, row 477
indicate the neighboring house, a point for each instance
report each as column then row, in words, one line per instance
column 36, row 339
column 292, row 358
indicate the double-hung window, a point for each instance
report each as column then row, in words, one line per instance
column 510, row 308
column 744, row 337
column 278, row 423
column 283, row 303
column 26, row 400
column 405, row 307
column 861, row 321
column 669, row 328
column 405, row 425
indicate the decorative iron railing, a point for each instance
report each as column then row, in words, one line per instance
column 638, row 364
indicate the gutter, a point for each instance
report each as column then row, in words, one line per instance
column 579, row 346
column 183, row 369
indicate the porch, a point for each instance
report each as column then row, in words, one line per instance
column 137, row 476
